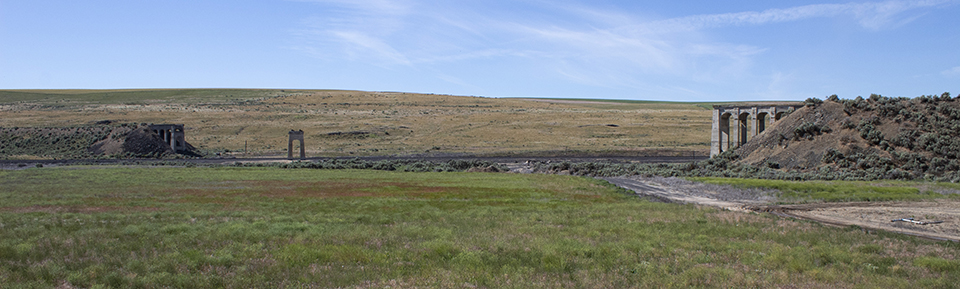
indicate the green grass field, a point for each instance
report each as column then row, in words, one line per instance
column 98, row 227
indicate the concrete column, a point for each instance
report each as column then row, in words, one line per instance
column 173, row 141
column 290, row 149
column 742, row 128
column 754, row 123
column 303, row 150
column 771, row 118
column 724, row 133
column 179, row 141
column 715, row 135
column 182, row 139
column 734, row 128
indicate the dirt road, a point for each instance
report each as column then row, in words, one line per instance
column 510, row 161
column 866, row 215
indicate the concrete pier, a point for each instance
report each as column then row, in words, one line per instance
column 296, row 135
column 734, row 125
column 172, row 134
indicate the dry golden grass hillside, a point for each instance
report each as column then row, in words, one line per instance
column 339, row 123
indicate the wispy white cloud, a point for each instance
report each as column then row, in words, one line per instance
column 872, row 15
column 358, row 30
column 953, row 72
column 585, row 45
column 369, row 7
column 369, row 48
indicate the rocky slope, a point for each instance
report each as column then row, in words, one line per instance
column 898, row 138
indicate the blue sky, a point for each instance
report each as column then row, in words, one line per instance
column 644, row 50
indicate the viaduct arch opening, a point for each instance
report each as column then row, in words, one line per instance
column 734, row 125
column 296, row 135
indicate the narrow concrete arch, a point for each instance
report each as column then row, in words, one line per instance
column 733, row 126
column 723, row 136
column 296, row 135
column 743, row 130
column 778, row 116
column 762, row 121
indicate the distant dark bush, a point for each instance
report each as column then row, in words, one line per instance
column 869, row 131
column 772, row 164
column 847, row 123
column 905, row 139
column 808, row 130
column 813, row 101
column 832, row 156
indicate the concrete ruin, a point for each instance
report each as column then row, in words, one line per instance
column 734, row 125
column 296, row 135
column 172, row 134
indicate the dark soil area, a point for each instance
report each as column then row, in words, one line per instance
column 512, row 164
column 102, row 140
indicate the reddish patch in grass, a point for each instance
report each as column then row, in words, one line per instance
column 302, row 189
column 579, row 197
column 334, row 189
column 75, row 209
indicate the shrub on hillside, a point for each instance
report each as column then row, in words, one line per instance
column 808, row 130
column 869, row 131
column 813, row 101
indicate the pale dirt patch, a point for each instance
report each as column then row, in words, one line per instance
column 867, row 215
column 880, row 216
column 571, row 101
column 683, row 191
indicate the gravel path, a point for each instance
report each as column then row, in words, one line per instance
column 682, row 191
column 866, row 215
column 518, row 163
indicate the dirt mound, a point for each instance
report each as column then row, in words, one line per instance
column 93, row 141
column 800, row 140
column 898, row 138
column 139, row 141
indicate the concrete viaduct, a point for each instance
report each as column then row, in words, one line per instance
column 734, row 124
column 172, row 134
